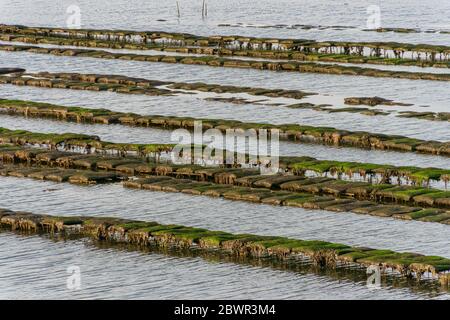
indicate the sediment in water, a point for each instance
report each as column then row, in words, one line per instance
column 129, row 85
column 426, row 115
column 11, row 70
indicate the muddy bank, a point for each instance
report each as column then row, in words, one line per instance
column 320, row 253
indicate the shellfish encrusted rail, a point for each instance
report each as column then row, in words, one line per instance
column 321, row 253
column 145, row 39
column 305, row 55
column 297, row 165
column 294, row 191
column 215, row 61
column 124, row 84
column 423, row 204
column 293, row 132
column 129, row 85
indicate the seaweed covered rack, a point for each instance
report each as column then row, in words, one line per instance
column 126, row 150
column 321, row 253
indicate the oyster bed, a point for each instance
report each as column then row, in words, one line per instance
column 152, row 233
column 363, row 163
